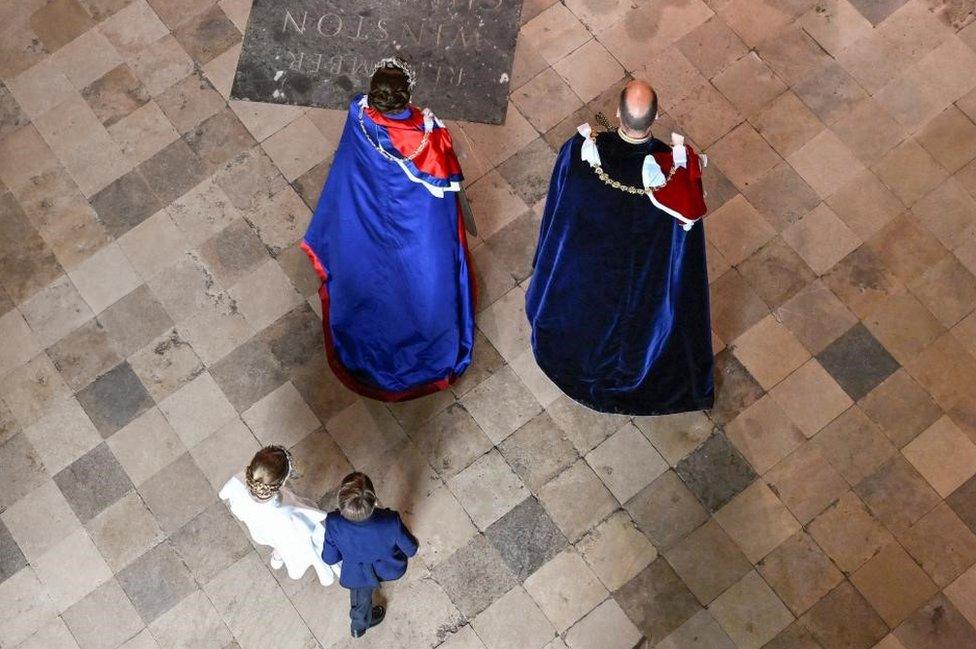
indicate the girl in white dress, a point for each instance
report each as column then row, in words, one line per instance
column 276, row 517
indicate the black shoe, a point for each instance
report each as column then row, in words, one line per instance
column 377, row 615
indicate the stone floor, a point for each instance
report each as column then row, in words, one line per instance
column 158, row 324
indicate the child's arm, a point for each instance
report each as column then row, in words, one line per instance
column 405, row 540
column 330, row 551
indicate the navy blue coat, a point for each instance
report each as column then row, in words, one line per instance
column 372, row 551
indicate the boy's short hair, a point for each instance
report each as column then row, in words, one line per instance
column 357, row 498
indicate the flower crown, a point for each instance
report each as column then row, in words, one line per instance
column 397, row 62
column 265, row 490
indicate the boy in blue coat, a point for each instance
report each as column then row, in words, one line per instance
column 372, row 544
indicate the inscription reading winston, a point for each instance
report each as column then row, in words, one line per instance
column 322, row 52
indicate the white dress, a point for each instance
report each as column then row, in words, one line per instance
column 292, row 527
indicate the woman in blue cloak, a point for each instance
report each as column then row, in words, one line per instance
column 388, row 242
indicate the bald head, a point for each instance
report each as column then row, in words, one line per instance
column 638, row 107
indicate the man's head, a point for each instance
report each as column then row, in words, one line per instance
column 357, row 498
column 638, row 108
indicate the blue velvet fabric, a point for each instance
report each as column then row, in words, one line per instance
column 372, row 551
column 618, row 303
column 400, row 313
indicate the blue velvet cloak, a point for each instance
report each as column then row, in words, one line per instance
column 618, row 302
column 397, row 291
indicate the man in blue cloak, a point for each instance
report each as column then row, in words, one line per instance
column 618, row 302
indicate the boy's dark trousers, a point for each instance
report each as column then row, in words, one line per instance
column 361, row 610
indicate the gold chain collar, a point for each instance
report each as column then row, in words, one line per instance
column 630, row 189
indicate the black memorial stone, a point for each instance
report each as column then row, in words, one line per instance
column 322, row 52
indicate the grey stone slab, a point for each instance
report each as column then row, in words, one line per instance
column 21, row 468
column 11, row 557
column 233, row 252
column 937, row 624
column 177, row 493
column 248, row 373
column 207, row 35
column 295, row 339
column 309, row 185
column 474, row 576
column 114, row 399
column 93, row 482
column 963, row 502
column 125, row 203
column 84, row 354
column 451, row 440
column 877, row 10
column 210, row 542
column 538, row 451
column 134, row 321
column 529, row 170
column 857, row 361
column 219, row 139
column 173, row 171
column 526, row 538
column 321, row 52
column 514, row 245
column 666, row 510
column 716, row 472
column 657, row 601
column 104, row 619
column 735, row 388
column 11, row 116
column 156, row 581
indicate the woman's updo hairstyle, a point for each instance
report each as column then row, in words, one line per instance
column 389, row 89
column 268, row 471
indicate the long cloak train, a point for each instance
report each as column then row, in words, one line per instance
column 388, row 242
column 618, row 301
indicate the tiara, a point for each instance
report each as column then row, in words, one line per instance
column 265, row 490
column 397, row 62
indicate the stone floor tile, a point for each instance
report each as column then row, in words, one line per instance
column 129, row 26
column 71, row 569
column 104, row 618
column 296, row 148
column 232, row 446
column 216, row 330
column 33, row 525
column 156, row 581
column 115, row 94
column 12, row 559
column 699, row 632
column 197, row 409
column 588, row 69
column 538, row 451
column 866, row 128
column 893, row 584
column 854, row 445
column 104, row 278
column 821, row 238
column 752, row 349
column 172, row 172
column 114, row 399
column 27, row 147
column 475, row 576
column 944, row 455
column 904, row 326
column 186, row 287
column 825, row 163
column 616, row 550
column 947, row 289
column 545, row 100
column 134, row 321
column 675, row 436
column 52, row 635
column 806, row 482
column 566, row 590
column 526, row 538
column 146, row 445
column 708, row 562
column 488, row 489
column 897, row 494
column 30, row 391
column 750, row 613
column 192, row 622
column 125, row 203
column 365, row 430
column 738, row 230
column 26, row 607
column 440, row 520
column 211, row 542
column 585, row 428
column 527, row 170
column 865, row 205
column 657, row 601
column 716, row 472
column 786, row 123
column 269, row 294
column 207, row 35
column 143, row 133
column 961, row 592
column 555, row 32
column 68, row 125
column 93, row 482
column 665, row 511
column 575, row 499
column 909, row 171
column 180, row 476
column 844, row 618
column 749, row 84
column 61, row 436
column 757, row 521
column 848, row 533
column 282, row 221
column 605, row 626
column 831, row 93
column 501, row 405
column 165, row 365
column 949, row 138
column 233, row 252
column 955, row 366
column 124, row 530
column 794, row 396
column 947, row 212
column 901, row 407
column 189, row 102
column 626, row 462
column 712, row 46
column 40, row 88
column 743, row 156
column 764, row 434
column 735, row 388
column 815, row 315
column 513, row 621
column 938, row 623
column 734, row 306
column 203, row 212
column 776, row 272
column 799, row 572
column 281, row 417
column 161, row 64
column 451, row 440
column 942, row 544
